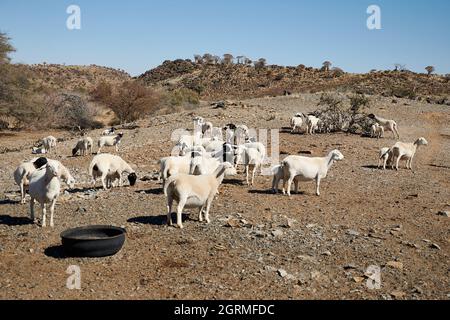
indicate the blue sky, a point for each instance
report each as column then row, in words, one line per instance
column 137, row 35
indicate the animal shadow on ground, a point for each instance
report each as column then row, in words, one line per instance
column 371, row 166
column 157, row 220
column 431, row 165
column 56, row 252
column 236, row 182
column 8, row 201
column 256, row 191
column 14, row 221
column 82, row 190
column 151, row 191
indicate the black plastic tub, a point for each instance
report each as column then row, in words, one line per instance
column 93, row 241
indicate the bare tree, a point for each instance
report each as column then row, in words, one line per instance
column 240, row 59
column 228, row 58
column 399, row 67
column 5, row 48
column 198, row 58
column 326, row 65
column 261, row 63
column 208, row 58
column 430, row 69
column 248, row 61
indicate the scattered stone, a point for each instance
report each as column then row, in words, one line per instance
column 291, row 277
column 310, row 225
column 444, row 213
column 270, row 268
column 31, row 250
column 398, row 294
column 350, row 266
column 282, row 273
column 315, row 275
column 352, row 232
column 395, row 264
column 358, row 279
column 435, row 246
column 326, row 253
column 81, row 210
column 277, row 233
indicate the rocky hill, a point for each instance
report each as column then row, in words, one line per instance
column 74, row 78
column 221, row 81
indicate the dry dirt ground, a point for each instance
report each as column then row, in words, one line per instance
column 258, row 245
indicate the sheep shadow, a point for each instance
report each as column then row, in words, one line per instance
column 236, row 182
column 255, row 191
column 160, row 220
column 151, row 191
column 14, row 221
column 430, row 165
column 56, row 252
column 371, row 166
column 84, row 190
column 9, row 201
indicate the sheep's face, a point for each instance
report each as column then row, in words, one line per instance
column 52, row 168
column 120, row 134
column 422, row 141
column 132, row 177
column 71, row 182
column 337, row 155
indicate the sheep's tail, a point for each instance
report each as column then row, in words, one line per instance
column 166, row 185
column 386, row 153
column 92, row 167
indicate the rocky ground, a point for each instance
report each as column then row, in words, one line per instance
column 258, row 245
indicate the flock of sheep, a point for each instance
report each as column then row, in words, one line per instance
column 192, row 177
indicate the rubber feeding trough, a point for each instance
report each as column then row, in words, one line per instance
column 93, row 241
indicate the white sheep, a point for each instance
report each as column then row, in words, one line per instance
column 44, row 188
column 296, row 122
column 406, row 151
column 252, row 159
column 377, row 131
column 278, row 175
column 110, row 168
column 307, row 169
column 83, row 145
column 25, row 169
column 38, row 150
column 109, row 132
column 388, row 125
column 110, row 141
column 49, row 143
column 255, row 145
column 312, row 124
column 193, row 192
column 384, row 156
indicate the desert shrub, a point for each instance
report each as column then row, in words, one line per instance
column 336, row 115
column 132, row 100
column 183, row 97
column 102, row 92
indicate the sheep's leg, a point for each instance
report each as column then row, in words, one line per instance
column 104, row 182
column 32, row 209
column 169, row 210
column 296, row 185
column 284, row 185
column 289, row 184
column 397, row 162
column 318, row 185
column 44, row 213
column 208, row 206
column 180, row 208
column 253, row 173
column 52, row 210
column 22, row 193
column 246, row 173
column 200, row 214
column 120, row 178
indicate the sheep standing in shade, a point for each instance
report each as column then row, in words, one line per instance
column 312, row 124
column 307, row 169
column 377, row 131
column 406, row 151
column 44, row 188
column 388, row 125
column 193, row 192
